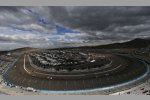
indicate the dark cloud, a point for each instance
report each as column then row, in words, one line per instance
column 100, row 18
column 96, row 25
column 113, row 23
column 10, row 8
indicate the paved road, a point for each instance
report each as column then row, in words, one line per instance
column 24, row 75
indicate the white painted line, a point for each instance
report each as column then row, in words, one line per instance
column 25, row 65
column 75, row 75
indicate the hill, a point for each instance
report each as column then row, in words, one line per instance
column 132, row 44
column 136, row 43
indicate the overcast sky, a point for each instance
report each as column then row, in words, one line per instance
column 52, row 27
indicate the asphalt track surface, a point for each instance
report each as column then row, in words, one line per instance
column 121, row 70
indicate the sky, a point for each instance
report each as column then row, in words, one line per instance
column 67, row 26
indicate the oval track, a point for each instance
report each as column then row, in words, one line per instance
column 122, row 69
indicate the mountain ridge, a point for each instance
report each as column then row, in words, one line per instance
column 135, row 43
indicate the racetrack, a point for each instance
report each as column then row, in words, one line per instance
column 122, row 69
column 24, row 75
